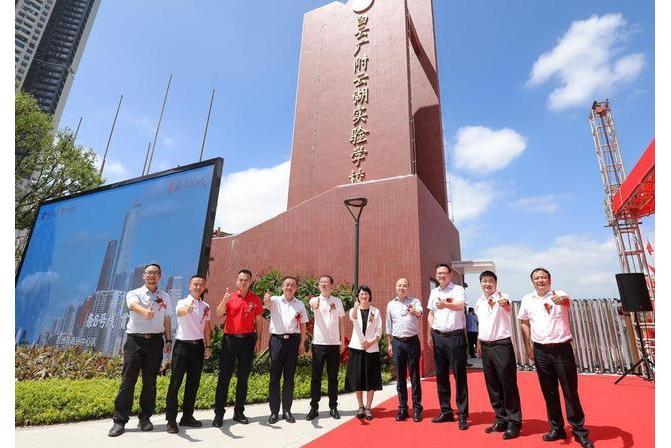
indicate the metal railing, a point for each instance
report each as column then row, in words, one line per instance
column 601, row 337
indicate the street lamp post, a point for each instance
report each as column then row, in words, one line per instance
column 355, row 207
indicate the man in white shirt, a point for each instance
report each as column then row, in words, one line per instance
column 447, row 336
column 328, row 342
column 545, row 322
column 192, row 345
column 403, row 317
column 148, row 325
column 498, row 357
column 287, row 340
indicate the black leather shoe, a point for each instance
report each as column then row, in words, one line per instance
column 288, row 416
column 116, row 430
column 218, row 420
column 401, row 415
column 313, row 414
column 442, row 418
column 334, row 413
column 145, row 425
column 417, row 416
column 190, row 422
column 553, row 435
column 172, row 427
column 463, row 423
column 273, row 419
column 584, row 441
column 496, row 427
column 512, row 432
column 240, row 418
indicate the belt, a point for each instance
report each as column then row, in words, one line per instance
column 505, row 341
column 241, row 335
column 553, row 344
column 146, row 335
column 285, row 336
column 449, row 333
column 194, row 341
column 406, row 339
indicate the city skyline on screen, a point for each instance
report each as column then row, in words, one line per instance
column 86, row 252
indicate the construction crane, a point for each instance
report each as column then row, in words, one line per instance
column 625, row 224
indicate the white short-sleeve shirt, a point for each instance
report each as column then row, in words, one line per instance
column 191, row 326
column 446, row 319
column 327, row 320
column 550, row 323
column 158, row 302
column 400, row 322
column 286, row 315
column 494, row 320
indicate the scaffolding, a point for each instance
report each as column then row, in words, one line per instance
column 626, row 230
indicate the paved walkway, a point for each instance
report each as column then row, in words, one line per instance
column 93, row 434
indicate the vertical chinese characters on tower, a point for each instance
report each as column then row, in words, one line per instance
column 359, row 136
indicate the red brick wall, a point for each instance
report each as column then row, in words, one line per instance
column 316, row 237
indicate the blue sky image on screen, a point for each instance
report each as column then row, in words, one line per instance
column 85, row 253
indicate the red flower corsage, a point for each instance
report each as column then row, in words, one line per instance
column 161, row 304
column 370, row 319
column 491, row 302
column 548, row 307
column 206, row 312
column 333, row 307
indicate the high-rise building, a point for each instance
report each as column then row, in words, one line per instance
column 30, row 21
column 137, row 279
column 121, row 272
column 105, row 278
column 50, row 40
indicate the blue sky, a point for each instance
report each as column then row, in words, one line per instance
column 517, row 78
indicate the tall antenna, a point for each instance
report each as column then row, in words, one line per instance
column 146, row 159
column 109, row 139
column 74, row 139
column 207, row 124
column 158, row 126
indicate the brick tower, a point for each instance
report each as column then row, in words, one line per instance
column 367, row 124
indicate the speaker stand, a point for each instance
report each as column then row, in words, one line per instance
column 648, row 367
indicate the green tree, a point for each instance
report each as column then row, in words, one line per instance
column 47, row 164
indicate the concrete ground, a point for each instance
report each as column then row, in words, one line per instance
column 93, row 434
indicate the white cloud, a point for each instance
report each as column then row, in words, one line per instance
column 248, row 198
column 32, row 284
column 482, row 150
column 115, row 171
column 583, row 62
column 470, row 199
column 581, row 266
column 537, row 204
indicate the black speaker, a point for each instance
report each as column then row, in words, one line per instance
column 633, row 292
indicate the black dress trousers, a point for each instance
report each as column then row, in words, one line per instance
column 139, row 355
column 283, row 357
column 187, row 359
column 500, row 369
column 449, row 353
column 329, row 355
column 240, row 351
column 406, row 353
column 555, row 365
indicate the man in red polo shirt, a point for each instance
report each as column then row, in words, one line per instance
column 242, row 312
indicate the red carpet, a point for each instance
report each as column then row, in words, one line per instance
column 616, row 415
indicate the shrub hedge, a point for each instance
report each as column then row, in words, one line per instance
column 62, row 400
